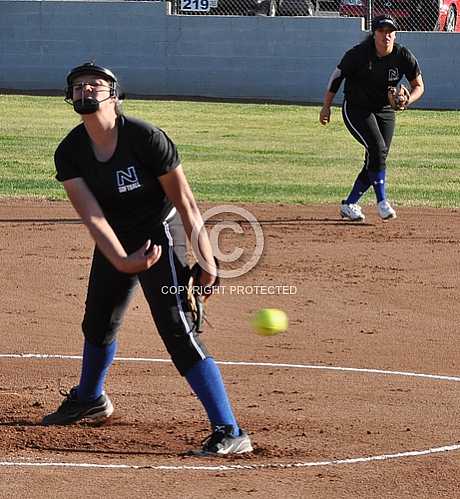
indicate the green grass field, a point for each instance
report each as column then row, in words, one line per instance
column 246, row 152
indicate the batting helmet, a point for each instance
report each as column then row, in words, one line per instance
column 90, row 68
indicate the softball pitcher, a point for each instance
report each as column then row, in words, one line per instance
column 125, row 180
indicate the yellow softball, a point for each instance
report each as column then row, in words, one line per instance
column 270, row 321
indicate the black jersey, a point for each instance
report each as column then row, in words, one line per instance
column 368, row 76
column 126, row 186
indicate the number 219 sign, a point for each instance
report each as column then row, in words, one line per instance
column 195, row 5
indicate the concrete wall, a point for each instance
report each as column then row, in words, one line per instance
column 279, row 58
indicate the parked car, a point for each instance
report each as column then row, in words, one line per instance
column 411, row 15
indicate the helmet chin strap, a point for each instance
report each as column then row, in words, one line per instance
column 88, row 105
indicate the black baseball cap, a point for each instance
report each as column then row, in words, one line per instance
column 92, row 69
column 383, row 21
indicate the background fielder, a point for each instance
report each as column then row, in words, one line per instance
column 369, row 69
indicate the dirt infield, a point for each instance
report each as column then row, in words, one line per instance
column 336, row 406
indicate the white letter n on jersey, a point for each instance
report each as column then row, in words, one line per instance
column 393, row 74
column 127, row 179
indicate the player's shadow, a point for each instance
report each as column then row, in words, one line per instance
column 287, row 221
column 88, row 424
column 40, row 220
column 20, row 422
column 113, row 452
column 299, row 221
column 26, row 423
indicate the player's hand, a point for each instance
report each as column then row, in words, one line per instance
column 207, row 279
column 325, row 115
column 142, row 259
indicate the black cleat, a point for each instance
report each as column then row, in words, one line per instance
column 221, row 442
column 72, row 410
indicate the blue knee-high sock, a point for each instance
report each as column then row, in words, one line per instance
column 96, row 363
column 206, row 381
column 362, row 183
column 378, row 183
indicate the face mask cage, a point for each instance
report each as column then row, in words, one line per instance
column 96, row 87
column 88, row 104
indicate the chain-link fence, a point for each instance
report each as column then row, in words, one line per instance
column 255, row 7
column 410, row 15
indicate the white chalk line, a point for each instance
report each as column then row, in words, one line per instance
column 240, row 467
column 236, row 467
column 439, row 377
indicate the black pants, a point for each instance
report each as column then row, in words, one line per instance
column 374, row 130
column 109, row 293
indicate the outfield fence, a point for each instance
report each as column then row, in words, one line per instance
column 410, row 15
column 256, row 58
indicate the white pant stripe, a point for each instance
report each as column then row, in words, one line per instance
column 345, row 105
column 170, row 214
column 176, row 284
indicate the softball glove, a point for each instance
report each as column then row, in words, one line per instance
column 198, row 294
column 398, row 97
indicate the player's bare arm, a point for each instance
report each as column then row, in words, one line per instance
column 333, row 85
column 178, row 190
column 325, row 113
column 417, row 88
column 92, row 216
